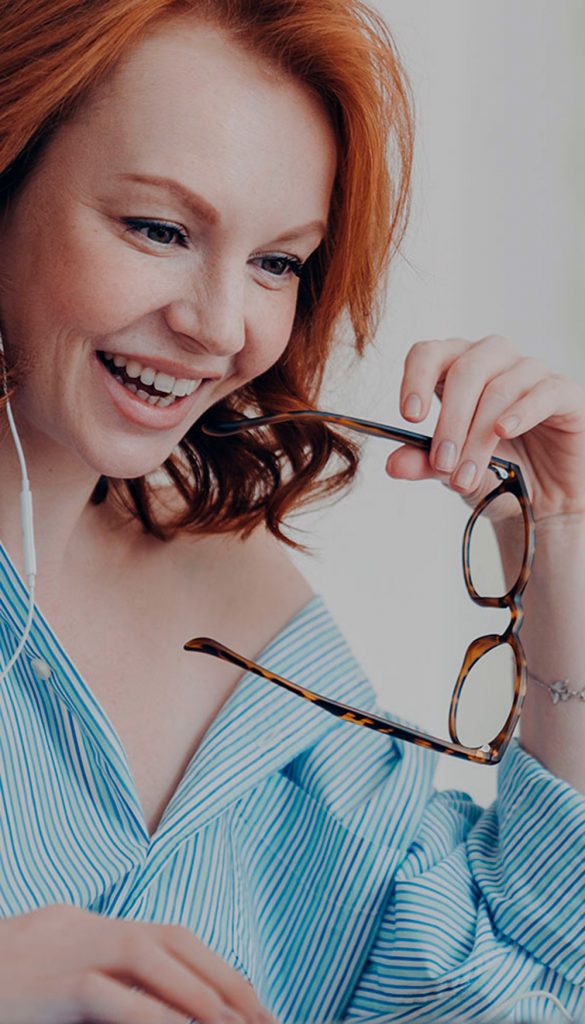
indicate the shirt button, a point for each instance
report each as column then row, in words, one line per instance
column 40, row 668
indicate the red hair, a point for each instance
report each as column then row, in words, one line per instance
column 55, row 51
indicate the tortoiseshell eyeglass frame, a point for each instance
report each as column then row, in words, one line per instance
column 511, row 480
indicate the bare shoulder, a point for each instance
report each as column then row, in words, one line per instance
column 258, row 569
column 270, row 562
column 244, row 582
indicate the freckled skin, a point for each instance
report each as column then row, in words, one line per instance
column 189, row 104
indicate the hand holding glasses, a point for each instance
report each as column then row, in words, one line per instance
column 512, row 485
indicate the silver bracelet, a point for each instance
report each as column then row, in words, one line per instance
column 559, row 690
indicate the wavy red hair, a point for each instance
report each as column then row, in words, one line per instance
column 55, row 51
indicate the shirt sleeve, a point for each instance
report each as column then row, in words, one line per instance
column 487, row 906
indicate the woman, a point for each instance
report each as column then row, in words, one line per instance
column 195, row 193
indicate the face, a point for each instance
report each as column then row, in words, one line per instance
column 163, row 226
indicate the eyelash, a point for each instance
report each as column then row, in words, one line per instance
column 291, row 263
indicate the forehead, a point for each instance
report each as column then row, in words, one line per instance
column 189, row 101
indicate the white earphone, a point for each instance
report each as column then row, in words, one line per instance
column 28, row 537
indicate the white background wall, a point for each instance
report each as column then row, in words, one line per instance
column 495, row 245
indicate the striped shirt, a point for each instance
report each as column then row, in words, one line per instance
column 313, row 856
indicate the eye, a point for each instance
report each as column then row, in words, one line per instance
column 159, row 229
column 280, row 266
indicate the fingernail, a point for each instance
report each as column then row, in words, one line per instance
column 509, row 424
column 466, row 475
column 413, row 407
column 446, row 456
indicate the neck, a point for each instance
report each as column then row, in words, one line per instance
column 67, row 526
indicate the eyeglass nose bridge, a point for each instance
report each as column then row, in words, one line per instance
column 476, row 650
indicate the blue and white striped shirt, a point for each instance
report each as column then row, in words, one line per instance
column 313, row 856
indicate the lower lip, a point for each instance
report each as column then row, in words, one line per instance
column 140, row 412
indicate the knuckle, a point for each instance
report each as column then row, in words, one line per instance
column 461, row 370
column 49, row 916
column 496, row 339
column 84, row 990
column 210, row 1006
column 497, row 390
column 240, row 991
column 418, row 349
column 177, row 932
column 556, row 387
column 134, row 948
column 177, row 937
column 56, row 911
column 57, row 915
column 456, row 340
column 535, row 364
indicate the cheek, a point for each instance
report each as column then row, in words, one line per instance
column 84, row 283
column 95, row 292
column 268, row 332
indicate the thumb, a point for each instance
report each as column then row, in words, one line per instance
column 408, row 463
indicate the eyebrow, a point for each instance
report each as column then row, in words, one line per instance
column 204, row 209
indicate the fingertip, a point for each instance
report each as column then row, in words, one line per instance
column 413, row 407
column 390, row 468
column 508, row 425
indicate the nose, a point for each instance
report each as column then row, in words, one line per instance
column 210, row 312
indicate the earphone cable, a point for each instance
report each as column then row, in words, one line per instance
column 26, row 519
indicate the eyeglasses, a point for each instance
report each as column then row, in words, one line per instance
column 511, row 482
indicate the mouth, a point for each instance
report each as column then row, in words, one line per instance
column 154, row 389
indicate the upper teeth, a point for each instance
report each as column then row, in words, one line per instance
column 162, row 381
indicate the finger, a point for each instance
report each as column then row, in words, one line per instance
column 233, row 988
column 460, row 419
column 482, row 438
column 178, row 986
column 429, row 362
column 465, row 438
column 106, row 1001
column 556, row 399
column 425, row 362
column 477, row 373
column 408, row 463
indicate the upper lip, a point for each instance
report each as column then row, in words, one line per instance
column 177, row 370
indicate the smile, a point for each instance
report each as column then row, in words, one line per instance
column 152, row 387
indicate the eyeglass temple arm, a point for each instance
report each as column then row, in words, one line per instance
column 484, row 755
column 501, row 467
